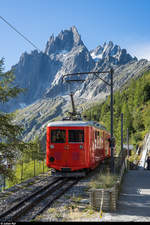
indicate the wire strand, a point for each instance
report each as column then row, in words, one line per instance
column 20, row 33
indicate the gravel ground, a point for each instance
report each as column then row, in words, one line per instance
column 74, row 205
column 11, row 196
column 133, row 204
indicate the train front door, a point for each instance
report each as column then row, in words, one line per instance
column 58, row 146
column 75, row 150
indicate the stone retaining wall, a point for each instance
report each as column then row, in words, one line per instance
column 107, row 197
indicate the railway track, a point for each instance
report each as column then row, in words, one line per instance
column 25, row 209
column 34, row 204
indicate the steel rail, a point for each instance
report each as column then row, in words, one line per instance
column 53, row 197
column 16, row 206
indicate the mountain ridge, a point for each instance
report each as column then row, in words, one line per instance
column 41, row 73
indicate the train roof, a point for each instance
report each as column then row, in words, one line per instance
column 76, row 124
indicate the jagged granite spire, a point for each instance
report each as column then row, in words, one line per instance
column 112, row 53
column 65, row 41
column 41, row 72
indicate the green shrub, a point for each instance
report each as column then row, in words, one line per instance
column 103, row 180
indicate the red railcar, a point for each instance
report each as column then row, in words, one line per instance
column 73, row 147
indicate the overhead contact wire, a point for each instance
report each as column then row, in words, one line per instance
column 20, row 33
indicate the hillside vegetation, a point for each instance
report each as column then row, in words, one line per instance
column 13, row 150
column 133, row 100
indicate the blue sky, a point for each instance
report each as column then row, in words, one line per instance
column 125, row 22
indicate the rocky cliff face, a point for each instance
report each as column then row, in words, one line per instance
column 112, row 53
column 47, row 94
column 64, row 42
column 41, row 72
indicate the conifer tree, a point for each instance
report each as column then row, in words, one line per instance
column 10, row 144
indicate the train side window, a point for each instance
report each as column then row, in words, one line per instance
column 106, row 146
column 98, row 140
column 97, row 137
column 101, row 139
column 58, row 136
column 76, row 135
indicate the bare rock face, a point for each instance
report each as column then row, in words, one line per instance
column 64, row 42
column 111, row 53
column 46, row 95
column 41, row 72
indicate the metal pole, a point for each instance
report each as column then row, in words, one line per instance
column 111, row 130
column 43, row 165
column 121, row 132
column 4, row 184
column 21, row 170
column 43, row 162
column 73, row 106
column 34, row 164
column 128, row 142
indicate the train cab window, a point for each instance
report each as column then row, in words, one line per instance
column 76, row 135
column 58, row 136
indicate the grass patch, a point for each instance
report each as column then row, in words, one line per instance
column 103, row 180
column 134, row 157
column 76, row 199
column 26, row 171
column 52, row 210
column 89, row 210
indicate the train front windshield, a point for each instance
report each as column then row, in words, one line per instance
column 76, row 136
column 58, row 136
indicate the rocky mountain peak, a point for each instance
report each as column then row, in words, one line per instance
column 112, row 52
column 65, row 41
column 41, row 72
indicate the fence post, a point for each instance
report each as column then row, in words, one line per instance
column 22, row 170
column 121, row 132
column 4, row 184
column 43, row 164
column 34, row 164
column 39, row 158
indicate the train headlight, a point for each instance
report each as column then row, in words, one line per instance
column 51, row 159
column 52, row 146
column 81, row 146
